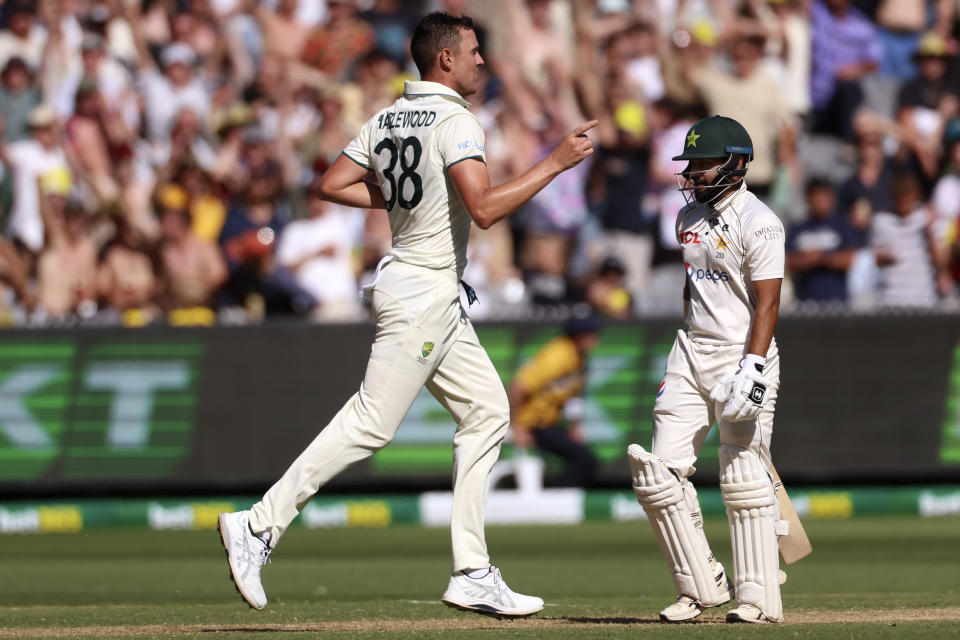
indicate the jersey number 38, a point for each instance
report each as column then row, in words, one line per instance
column 408, row 168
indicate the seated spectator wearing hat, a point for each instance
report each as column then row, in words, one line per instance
column 821, row 249
column 178, row 87
column 28, row 160
column 926, row 103
column 19, row 95
column 547, row 405
column 67, row 267
column 192, row 270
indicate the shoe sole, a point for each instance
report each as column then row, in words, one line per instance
column 487, row 610
column 226, row 549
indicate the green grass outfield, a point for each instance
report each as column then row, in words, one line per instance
column 867, row 578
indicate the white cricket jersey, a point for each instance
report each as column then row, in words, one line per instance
column 725, row 249
column 410, row 145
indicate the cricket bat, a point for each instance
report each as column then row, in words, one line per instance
column 795, row 545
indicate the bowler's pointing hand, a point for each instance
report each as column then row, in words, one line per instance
column 574, row 147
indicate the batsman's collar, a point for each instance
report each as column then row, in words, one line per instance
column 728, row 199
column 415, row 88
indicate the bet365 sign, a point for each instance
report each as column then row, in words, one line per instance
column 113, row 409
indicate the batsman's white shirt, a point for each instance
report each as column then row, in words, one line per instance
column 725, row 249
column 410, row 145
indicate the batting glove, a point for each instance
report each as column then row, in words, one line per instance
column 745, row 393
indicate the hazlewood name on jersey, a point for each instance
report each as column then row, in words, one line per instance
column 410, row 145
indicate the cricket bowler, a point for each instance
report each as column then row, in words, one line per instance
column 426, row 153
column 725, row 368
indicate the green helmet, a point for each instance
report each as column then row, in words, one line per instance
column 716, row 137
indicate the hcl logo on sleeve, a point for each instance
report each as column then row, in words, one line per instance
column 714, row 275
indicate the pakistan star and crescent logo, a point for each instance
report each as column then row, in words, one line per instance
column 721, row 244
column 426, row 349
column 692, row 138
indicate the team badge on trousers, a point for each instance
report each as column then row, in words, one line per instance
column 425, row 351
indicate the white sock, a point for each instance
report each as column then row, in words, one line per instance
column 476, row 574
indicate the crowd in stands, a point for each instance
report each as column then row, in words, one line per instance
column 160, row 158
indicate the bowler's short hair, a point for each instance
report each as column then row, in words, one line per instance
column 436, row 32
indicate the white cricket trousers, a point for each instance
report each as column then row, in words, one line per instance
column 423, row 337
column 683, row 412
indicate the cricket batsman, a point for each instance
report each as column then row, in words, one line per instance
column 426, row 155
column 725, row 368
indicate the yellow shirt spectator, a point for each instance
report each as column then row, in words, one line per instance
column 549, row 379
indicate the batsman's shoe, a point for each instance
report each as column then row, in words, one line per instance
column 686, row 608
column 489, row 595
column 748, row 613
column 246, row 554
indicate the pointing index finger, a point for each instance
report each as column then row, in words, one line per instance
column 583, row 128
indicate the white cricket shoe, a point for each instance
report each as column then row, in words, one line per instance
column 686, row 608
column 749, row 613
column 246, row 554
column 489, row 595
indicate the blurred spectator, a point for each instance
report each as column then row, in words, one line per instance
column 393, row 22
column 67, row 266
column 910, row 265
column 206, row 209
column 110, row 77
column 331, row 47
column 946, row 196
column 192, row 269
column 764, row 115
column 821, row 250
column 549, row 223
column 899, row 25
column 18, row 97
column 927, row 102
column 168, row 92
column 248, row 238
column 845, row 49
column 617, row 190
column 546, row 401
column 22, row 34
column 317, row 251
column 28, row 160
column 790, row 47
column 606, row 290
column 284, row 34
column 127, row 276
column 94, row 139
column 868, row 190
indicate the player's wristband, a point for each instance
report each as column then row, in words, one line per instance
column 755, row 360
